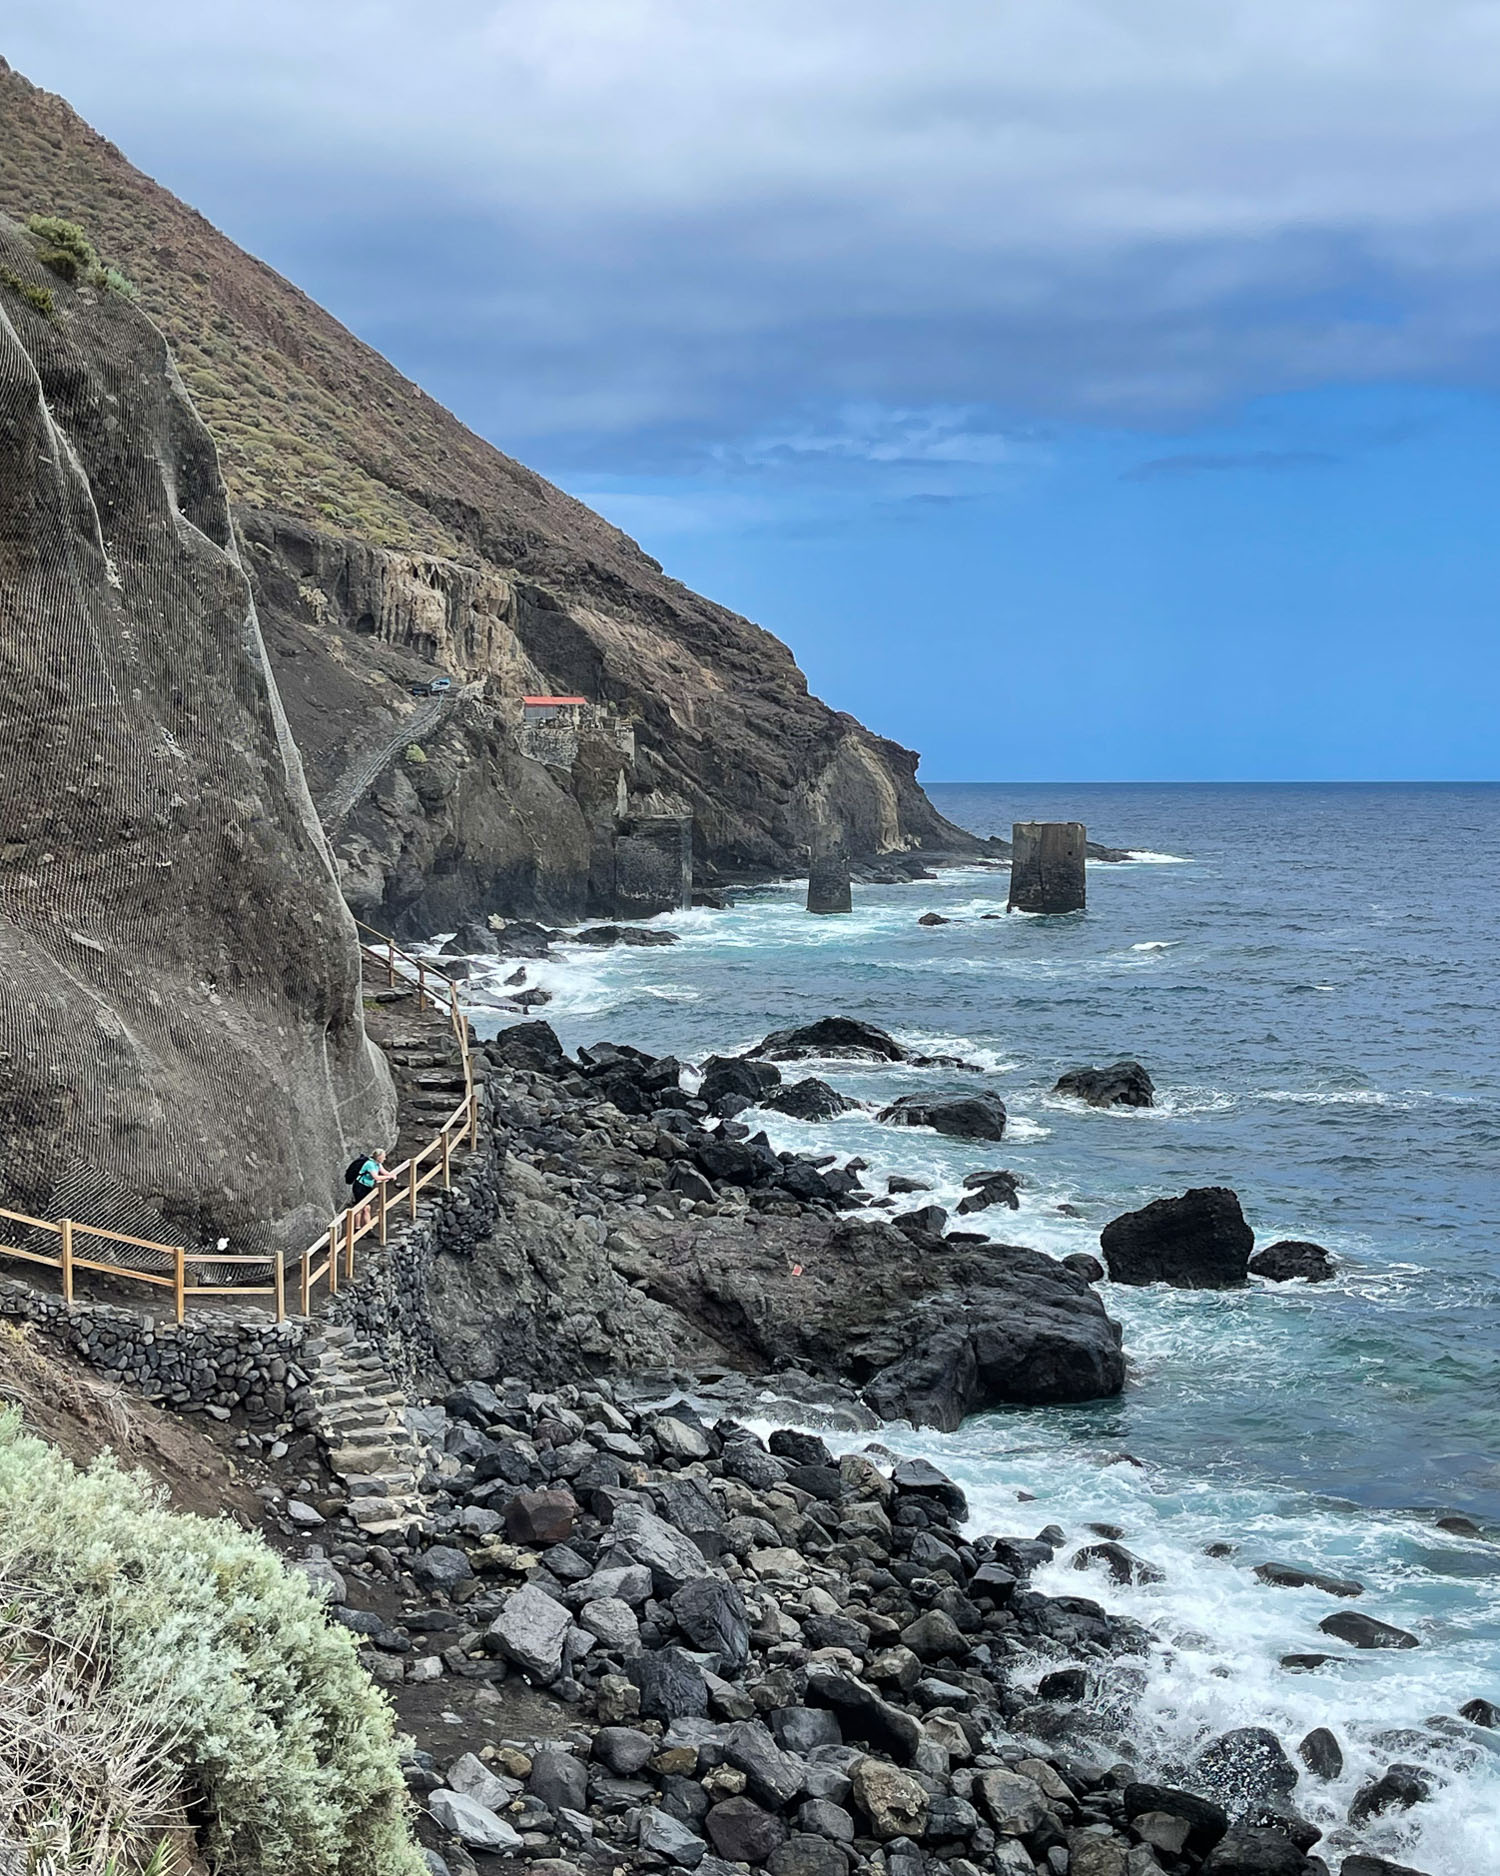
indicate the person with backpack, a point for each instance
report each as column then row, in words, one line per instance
column 363, row 1174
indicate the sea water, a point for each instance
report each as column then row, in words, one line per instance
column 1309, row 974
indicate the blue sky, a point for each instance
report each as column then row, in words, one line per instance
column 1104, row 389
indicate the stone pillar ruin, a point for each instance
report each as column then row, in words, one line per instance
column 653, row 864
column 828, row 878
column 1047, row 866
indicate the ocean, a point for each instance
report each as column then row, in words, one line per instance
column 1309, row 974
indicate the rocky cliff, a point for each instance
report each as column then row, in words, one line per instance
column 387, row 544
column 182, row 1051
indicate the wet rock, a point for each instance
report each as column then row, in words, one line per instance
column 1363, row 1631
column 530, row 1631
column 1199, row 1241
column 892, row 1802
column 1480, row 1713
column 1290, row 1258
column 984, row 1189
column 1376, row 1866
column 808, row 1099
column 1321, row 1753
column 927, row 1221
column 832, row 1037
column 1207, row 1822
column 1397, row 1789
column 1244, row 1766
column 962, row 1117
column 738, row 1077
column 1066, row 1684
column 623, row 935
column 1085, row 1266
column 1246, row 1850
column 1123, row 1565
column 742, row 1832
column 1293, row 1576
column 1122, row 1084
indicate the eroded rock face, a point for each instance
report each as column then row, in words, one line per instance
column 1122, row 1084
column 1199, row 1241
column 180, row 975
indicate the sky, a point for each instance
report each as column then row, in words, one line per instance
column 1084, row 389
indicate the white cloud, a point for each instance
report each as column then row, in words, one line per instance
column 664, row 213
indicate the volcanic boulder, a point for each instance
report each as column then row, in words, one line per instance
column 1122, row 1084
column 1199, row 1241
column 963, row 1117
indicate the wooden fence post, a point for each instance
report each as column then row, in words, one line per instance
column 411, row 1187
column 67, row 1262
column 390, row 962
column 447, row 1161
column 349, row 1245
column 307, row 1281
column 279, row 1270
column 180, row 1281
column 380, row 1189
column 333, row 1258
column 473, row 1120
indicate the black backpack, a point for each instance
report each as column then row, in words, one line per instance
column 354, row 1169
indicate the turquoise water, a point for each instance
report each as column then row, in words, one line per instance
column 1309, row 974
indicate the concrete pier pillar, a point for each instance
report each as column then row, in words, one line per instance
column 828, row 879
column 1047, row 866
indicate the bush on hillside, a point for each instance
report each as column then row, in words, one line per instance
column 227, row 1659
column 63, row 246
column 39, row 299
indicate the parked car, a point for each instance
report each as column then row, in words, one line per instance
column 433, row 689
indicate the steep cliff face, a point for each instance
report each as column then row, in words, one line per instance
column 182, row 1051
column 386, row 542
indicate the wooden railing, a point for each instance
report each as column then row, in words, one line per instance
column 329, row 1259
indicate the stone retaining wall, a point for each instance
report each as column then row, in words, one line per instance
column 213, row 1363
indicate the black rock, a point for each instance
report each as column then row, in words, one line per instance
column 747, row 1461
column 1244, row 1767
column 1247, row 1850
column 1085, row 1266
column 803, row 1449
column 963, row 1117
column 1480, row 1713
column 899, row 1183
column 921, row 1477
column 672, row 1686
column 527, row 1045
column 441, row 1568
column 1199, row 1241
column 690, row 1183
column 735, row 1075
column 1321, row 1753
column 1289, row 1258
column 808, row 1099
column 1293, row 1576
column 1376, row 1866
column 1397, row 1789
column 623, row 935
column 832, row 1037
column 1206, row 1822
column 624, row 1749
column 742, row 1832
column 1068, row 1684
column 801, row 1730
column 808, row 1854
column 1363, row 1631
column 989, row 1188
column 926, row 1222
column 824, row 1482
column 863, row 1715
column 1122, row 1084
column 1123, row 1565
column 558, row 1779
column 711, row 1613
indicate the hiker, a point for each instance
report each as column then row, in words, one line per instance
column 364, row 1174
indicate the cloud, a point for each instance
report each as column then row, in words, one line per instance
column 655, row 224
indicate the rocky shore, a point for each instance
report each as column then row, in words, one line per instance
column 665, row 1643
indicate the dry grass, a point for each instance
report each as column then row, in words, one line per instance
column 36, row 1383
column 86, row 1788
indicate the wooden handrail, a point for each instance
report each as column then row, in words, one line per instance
column 335, row 1243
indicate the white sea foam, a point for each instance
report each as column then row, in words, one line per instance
column 1143, row 856
column 1157, row 944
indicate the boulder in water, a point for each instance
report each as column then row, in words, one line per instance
column 623, row 935
column 1199, row 1241
column 963, row 1117
column 983, row 1189
column 1321, row 1753
column 1290, row 1258
column 808, row 1099
column 736, row 1077
column 1293, row 1576
column 832, row 1036
column 1122, row 1084
column 1363, row 1631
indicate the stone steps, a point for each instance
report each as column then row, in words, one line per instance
column 362, row 1425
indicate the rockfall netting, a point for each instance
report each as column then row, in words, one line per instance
column 182, row 1050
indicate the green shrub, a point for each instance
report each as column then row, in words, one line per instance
column 39, row 299
column 255, row 1697
column 415, row 753
column 63, row 246
column 113, row 280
